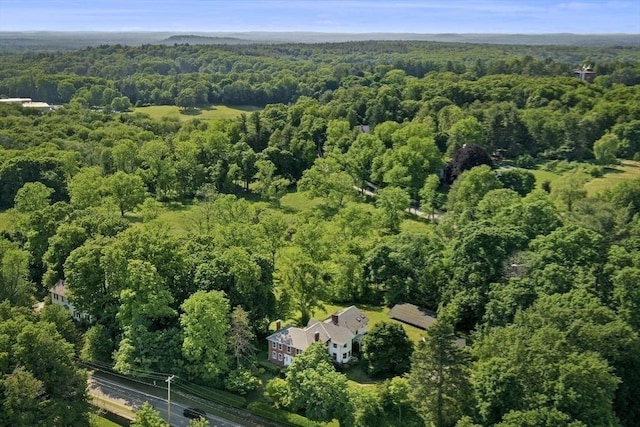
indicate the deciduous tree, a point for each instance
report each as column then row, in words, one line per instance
column 386, row 350
column 205, row 327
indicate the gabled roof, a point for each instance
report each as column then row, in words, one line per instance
column 351, row 318
column 59, row 289
column 413, row 315
column 339, row 328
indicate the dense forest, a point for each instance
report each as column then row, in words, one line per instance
column 184, row 240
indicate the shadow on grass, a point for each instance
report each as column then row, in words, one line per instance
column 373, row 308
column 612, row 169
column 178, row 206
column 358, row 374
column 191, row 112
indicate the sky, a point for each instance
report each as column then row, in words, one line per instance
column 329, row 16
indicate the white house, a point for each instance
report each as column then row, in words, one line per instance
column 59, row 296
column 342, row 332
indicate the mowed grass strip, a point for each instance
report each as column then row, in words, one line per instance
column 208, row 113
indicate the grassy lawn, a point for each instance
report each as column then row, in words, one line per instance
column 614, row 175
column 103, row 422
column 211, row 112
column 543, row 175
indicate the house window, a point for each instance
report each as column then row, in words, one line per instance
column 279, row 356
column 288, row 349
column 273, row 355
column 344, row 356
column 298, row 351
column 279, row 346
column 335, row 345
column 345, row 345
column 273, row 344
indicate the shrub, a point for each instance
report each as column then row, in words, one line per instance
column 241, row 381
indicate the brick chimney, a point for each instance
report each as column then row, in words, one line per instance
column 317, row 336
column 334, row 319
column 278, row 324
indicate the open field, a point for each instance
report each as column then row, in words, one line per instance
column 544, row 175
column 212, row 112
column 614, row 175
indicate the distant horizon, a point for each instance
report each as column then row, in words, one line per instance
column 196, row 33
column 526, row 17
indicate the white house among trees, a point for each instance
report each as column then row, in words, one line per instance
column 59, row 296
column 341, row 332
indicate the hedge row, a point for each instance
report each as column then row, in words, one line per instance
column 285, row 417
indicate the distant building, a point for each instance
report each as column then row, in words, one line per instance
column 585, row 73
column 27, row 103
column 59, row 296
column 342, row 332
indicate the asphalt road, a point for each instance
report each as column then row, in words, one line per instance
column 124, row 395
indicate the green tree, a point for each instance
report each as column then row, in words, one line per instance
column 270, row 187
column 303, row 281
column 519, row 180
column 241, row 381
column 22, row 396
column 67, row 238
column 626, row 295
column 429, row 194
column 396, row 397
column 15, row 285
column 186, row 99
column 606, row 148
column 32, row 196
column 148, row 416
column 85, row 187
column 386, row 349
column 121, row 104
column 127, row 190
column 273, row 226
column 125, row 153
column 327, row 180
column 392, row 202
column 313, row 384
column 98, row 345
column 440, row 377
column 569, row 189
column 360, row 157
column 467, row 191
column 42, row 351
column 465, row 131
column 205, row 327
column 542, row 417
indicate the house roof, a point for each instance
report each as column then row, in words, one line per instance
column 413, row 315
column 59, row 289
column 351, row 318
column 340, row 328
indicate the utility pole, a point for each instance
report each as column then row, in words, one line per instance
column 168, row 380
